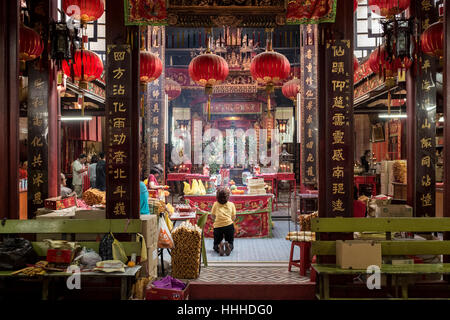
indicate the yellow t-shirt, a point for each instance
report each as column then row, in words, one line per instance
column 223, row 213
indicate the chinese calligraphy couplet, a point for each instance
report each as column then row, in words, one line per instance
column 38, row 138
column 309, row 104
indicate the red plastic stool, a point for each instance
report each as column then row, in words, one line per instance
column 304, row 263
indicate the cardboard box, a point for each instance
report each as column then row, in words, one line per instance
column 357, row 254
column 58, row 203
column 394, row 210
column 90, row 214
column 150, row 229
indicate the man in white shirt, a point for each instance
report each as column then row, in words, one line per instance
column 78, row 169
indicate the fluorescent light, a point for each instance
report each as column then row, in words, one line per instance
column 392, row 116
column 441, row 119
column 76, row 118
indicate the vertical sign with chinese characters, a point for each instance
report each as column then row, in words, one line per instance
column 425, row 184
column 309, row 104
column 340, row 192
column 37, row 138
column 155, row 104
column 118, row 119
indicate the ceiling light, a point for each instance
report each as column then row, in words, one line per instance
column 76, row 118
column 391, row 116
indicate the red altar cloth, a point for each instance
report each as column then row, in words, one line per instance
column 176, row 176
column 253, row 218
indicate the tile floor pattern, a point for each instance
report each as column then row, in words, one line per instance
column 275, row 249
column 278, row 275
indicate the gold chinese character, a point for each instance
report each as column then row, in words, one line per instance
column 155, row 158
column 118, row 73
column 119, row 138
column 119, row 56
column 118, row 89
column 309, row 119
column 37, row 179
column 426, row 124
column 119, row 174
column 309, row 67
column 38, row 83
column 310, row 144
column 37, row 121
column 119, row 123
column 310, row 135
column 426, row 181
column 37, row 198
column 155, row 120
column 309, row 106
column 37, row 102
column 119, row 107
column 309, row 81
column 155, row 132
column 426, row 200
column 309, row 54
column 119, row 209
column 310, row 172
column 426, row 65
column 155, row 145
column 338, row 51
column 309, row 94
column 118, row 157
column 338, row 137
column 338, row 84
column 338, row 172
column 337, row 205
column 426, row 5
column 155, row 107
column 426, row 143
column 120, row 191
column 338, row 119
column 310, row 158
column 338, row 67
column 425, row 24
column 426, row 161
column 36, row 142
column 37, row 161
column 426, row 85
column 337, row 155
column 338, row 188
column 155, row 94
column 338, row 102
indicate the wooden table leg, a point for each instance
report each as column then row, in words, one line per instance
column 326, row 287
column 123, row 288
column 45, row 289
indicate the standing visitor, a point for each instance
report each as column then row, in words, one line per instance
column 92, row 170
column 23, row 167
column 223, row 213
column 143, row 197
column 78, row 169
column 100, row 173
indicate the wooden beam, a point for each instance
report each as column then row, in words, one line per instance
column 446, row 108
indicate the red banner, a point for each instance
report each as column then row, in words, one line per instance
column 311, row 11
column 144, row 12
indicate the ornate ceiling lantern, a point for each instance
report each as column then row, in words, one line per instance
column 208, row 70
column 172, row 89
column 388, row 8
column 84, row 10
column 432, row 40
column 291, row 88
column 269, row 68
column 30, row 44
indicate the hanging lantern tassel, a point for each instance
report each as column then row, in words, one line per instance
column 208, row 91
column 389, row 102
column 269, row 90
column 142, row 99
column 83, row 85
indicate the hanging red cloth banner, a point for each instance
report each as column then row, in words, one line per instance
column 311, row 11
column 143, row 12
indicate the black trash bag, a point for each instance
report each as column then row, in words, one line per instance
column 16, row 253
column 105, row 247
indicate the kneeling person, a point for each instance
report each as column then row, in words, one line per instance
column 223, row 213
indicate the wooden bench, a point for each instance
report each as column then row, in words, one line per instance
column 398, row 275
column 69, row 228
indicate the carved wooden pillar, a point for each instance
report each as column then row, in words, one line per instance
column 9, row 108
column 336, row 142
column 122, row 115
column 446, row 93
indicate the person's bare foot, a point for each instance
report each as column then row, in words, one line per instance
column 221, row 248
column 227, row 248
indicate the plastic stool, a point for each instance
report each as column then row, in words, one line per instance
column 304, row 263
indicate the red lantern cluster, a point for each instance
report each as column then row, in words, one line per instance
column 380, row 62
column 172, row 89
column 87, row 66
column 150, row 67
column 208, row 69
column 30, row 43
column 432, row 40
column 291, row 88
column 84, row 10
column 388, row 8
column 270, row 68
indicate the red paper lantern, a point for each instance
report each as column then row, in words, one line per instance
column 432, row 40
column 208, row 70
column 87, row 66
column 355, row 63
column 291, row 88
column 172, row 89
column 388, row 8
column 30, row 43
column 150, row 67
column 84, row 10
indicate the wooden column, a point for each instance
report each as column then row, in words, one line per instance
column 446, row 93
column 336, row 141
column 122, row 115
column 9, row 108
column 155, row 104
column 421, row 123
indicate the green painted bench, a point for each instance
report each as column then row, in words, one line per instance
column 399, row 274
column 69, row 228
